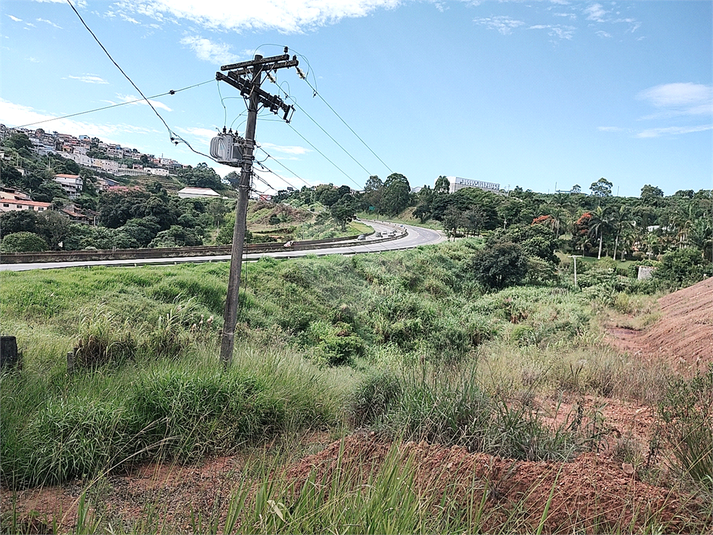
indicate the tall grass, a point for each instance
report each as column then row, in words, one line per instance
column 451, row 408
column 55, row 429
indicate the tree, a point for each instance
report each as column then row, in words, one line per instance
column 683, row 267
column 601, row 188
column 621, row 223
column 452, row 219
column 474, row 220
column 397, row 194
column 141, row 230
column 598, row 223
column 373, row 192
column 18, row 221
column 22, row 242
column 200, row 176
column 9, row 175
column 18, row 141
column 48, row 191
column 233, row 178
column 651, row 195
column 503, row 265
column 217, row 210
column 442, row 185
column 176, row 236
column 53, row 226
column 344, row 210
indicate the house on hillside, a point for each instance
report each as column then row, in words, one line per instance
column 11, row 202
column 193, row 193
column 71, row 184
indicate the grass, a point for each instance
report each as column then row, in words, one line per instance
column 56, row 428
column 403, row 344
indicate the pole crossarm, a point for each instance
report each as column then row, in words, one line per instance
column 272, row 102
column 258, row 60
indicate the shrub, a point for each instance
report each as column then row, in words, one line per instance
column 334, row 344
column 683, row 267
column 505, row 264
column 22, row 242
column 373, row 396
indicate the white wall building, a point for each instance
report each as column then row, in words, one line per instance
column 457, row 183
column 72, row 184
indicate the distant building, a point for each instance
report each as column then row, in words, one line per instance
column 457, row 183
column 12, row 205
column 71, row 184
column 106, row 183
column 155, row 171
column 192, row 193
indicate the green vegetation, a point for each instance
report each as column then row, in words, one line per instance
column 411, row 345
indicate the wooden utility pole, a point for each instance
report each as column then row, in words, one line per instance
column 236, row 77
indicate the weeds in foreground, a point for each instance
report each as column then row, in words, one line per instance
column 686, row 411
column 387, row 492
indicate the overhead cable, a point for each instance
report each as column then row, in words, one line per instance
column 171, row 92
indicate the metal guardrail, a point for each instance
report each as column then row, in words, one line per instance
column 178, row 252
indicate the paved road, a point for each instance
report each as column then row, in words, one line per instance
column 416, row 236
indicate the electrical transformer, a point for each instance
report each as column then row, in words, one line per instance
column 227, row 148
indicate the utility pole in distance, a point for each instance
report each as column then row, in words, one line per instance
column 237, row 77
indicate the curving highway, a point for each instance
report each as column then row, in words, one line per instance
column 415, row 237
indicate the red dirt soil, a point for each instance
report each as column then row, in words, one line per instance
column 594, row 492
column 683, row 336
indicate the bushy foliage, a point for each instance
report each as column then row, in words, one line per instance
column 22, row 242
column 683, row 267
column 505, row 264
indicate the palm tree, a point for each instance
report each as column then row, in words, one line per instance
column 621, row 223
column 598, row 223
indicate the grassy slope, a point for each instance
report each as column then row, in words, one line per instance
column 400, row 320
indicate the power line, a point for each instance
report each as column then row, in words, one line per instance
column 170, row 92
column 324, row 155
column 315, row 92
column 118, row 67
column 318, row 94
column 175, row 138
column 284, row 167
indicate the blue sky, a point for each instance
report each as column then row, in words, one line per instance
column 537, row 94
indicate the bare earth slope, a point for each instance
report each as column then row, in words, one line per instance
column 683, row 336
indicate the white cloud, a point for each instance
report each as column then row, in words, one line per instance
column 129, row 19
column 89, row 79
column 204, row 135
column 206, row 50
column 595, row 12
column 611, row 129
column 49, row 22
column 502, row 24
column 288, row 16
column 19, row 115
column 673, row 131
column 680, row 98
column 285, row 149
column 603, row 34
column 562, row 32
column 154, row 103
column 15, row 18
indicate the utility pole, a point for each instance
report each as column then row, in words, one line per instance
column 237, row 77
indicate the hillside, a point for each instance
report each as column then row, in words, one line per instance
column 682, row 336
